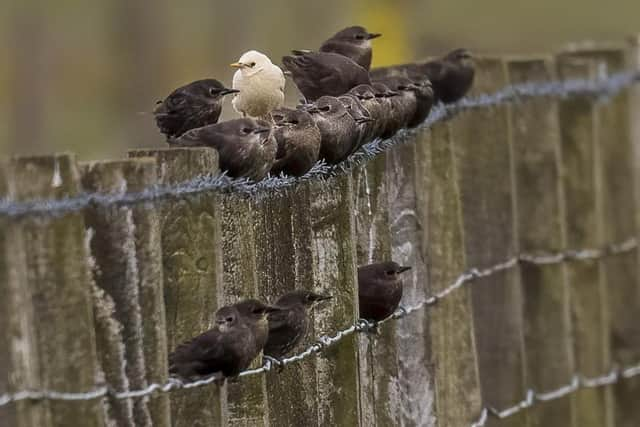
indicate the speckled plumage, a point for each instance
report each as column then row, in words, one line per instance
column 298, row 140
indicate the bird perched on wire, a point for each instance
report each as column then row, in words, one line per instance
column 261, row 85
column 379, row 289
column 451, row 76
column 288, row 326
column 414, row 101
column 352, row 42
column 362, row 117
column 239, row 334
column 323, row 73
column 246, row 147
column 298, row 140
column 339, row 134
column 190, row 106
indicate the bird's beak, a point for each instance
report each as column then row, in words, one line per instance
column 228, row 91
column 237, row 65
column 262, row 130
column 312, row 110
column 323, row 297
column 361, row 120
column 373, row 35
column 271, row 309
column 402, row 269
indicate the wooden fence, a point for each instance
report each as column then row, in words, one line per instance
column 98, row 296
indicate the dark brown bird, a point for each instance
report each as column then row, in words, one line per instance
column 414, row 101
column 379, row 289
column 324, row 73
column 298, row 140
column 246, row 147
column 288, row 326
column 376, row 106
column 352, row 42
column 389, row 99
column 451, row 76
column 190, row 106
column 362, row 117
column 238, row 336
column 339, row 134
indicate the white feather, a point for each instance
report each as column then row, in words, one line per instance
column 261, row 86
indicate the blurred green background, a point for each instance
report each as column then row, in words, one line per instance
column 76, row 75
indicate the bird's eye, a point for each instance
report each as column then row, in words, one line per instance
column 360, row 36
column 257, row 310
column 246, row 130
column 212, row 92
column 325, row 108
column 253, row 64
column 229, row 319
column 293, row 122
column 390, row 272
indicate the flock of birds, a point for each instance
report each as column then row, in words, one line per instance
column 346, row 105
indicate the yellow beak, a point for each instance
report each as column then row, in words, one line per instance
column 237, row 65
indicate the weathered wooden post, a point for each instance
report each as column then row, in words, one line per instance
column 246, row 402
column 634, row 111
column 484, row 172
column 58, row 282
column 18, row 347
column 192, row 269
column 614, row 154
column 379, row 388
column 125, row 246
column 335, row 259
column 582, row 228
column 458, row 399
column 408, row 179
column 285, row 263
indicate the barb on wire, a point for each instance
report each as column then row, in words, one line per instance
column 363, row 326
column 577, row 382
column 321, row 171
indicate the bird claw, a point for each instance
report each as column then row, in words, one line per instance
column 275, row 362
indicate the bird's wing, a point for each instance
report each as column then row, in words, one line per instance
column 196, row 348
column 435, row 70
column 280, row 319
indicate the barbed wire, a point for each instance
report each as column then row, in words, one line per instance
column 577, row 382
column 540, row 258
column 601, row 88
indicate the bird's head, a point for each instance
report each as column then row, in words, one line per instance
column 363, row 92
column 252, row 62
column 210, row 90
column 226, row 318
column 255, row 310
column 390, row 270
column 327, row 106
column 462, row 57
column 355, row 35
column 308, row 299
column 291, row 117
column 355, row 109
column 381, row 90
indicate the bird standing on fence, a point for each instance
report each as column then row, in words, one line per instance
column 246, row 147
column 190, row 106
column 375, row 106
column 352, row 42
column 388, row 98
column 288, row 326
column 339, row 134
column 236, row 339
column 298, row 140
column 362, row 117
column 261, row 85
column 414, row 101
column 451, row 76
column 379, row 289
column 324, row 73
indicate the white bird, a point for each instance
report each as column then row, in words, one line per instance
column 261, row 85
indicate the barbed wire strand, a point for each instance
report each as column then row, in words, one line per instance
column 602, row 88
column 542, row 258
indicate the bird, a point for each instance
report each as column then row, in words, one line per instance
column 451, row 76
column 379, row 289
column 288, row 326
column 376, row 106
column 339, row 134
column 414, row 101
column 298, row 140
column 239, row 334
column 352, row 42
column 246, row 147
column 394, row 120
column 323, row 73
column 261, row 85
column 193, row 105
column 362, row 117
